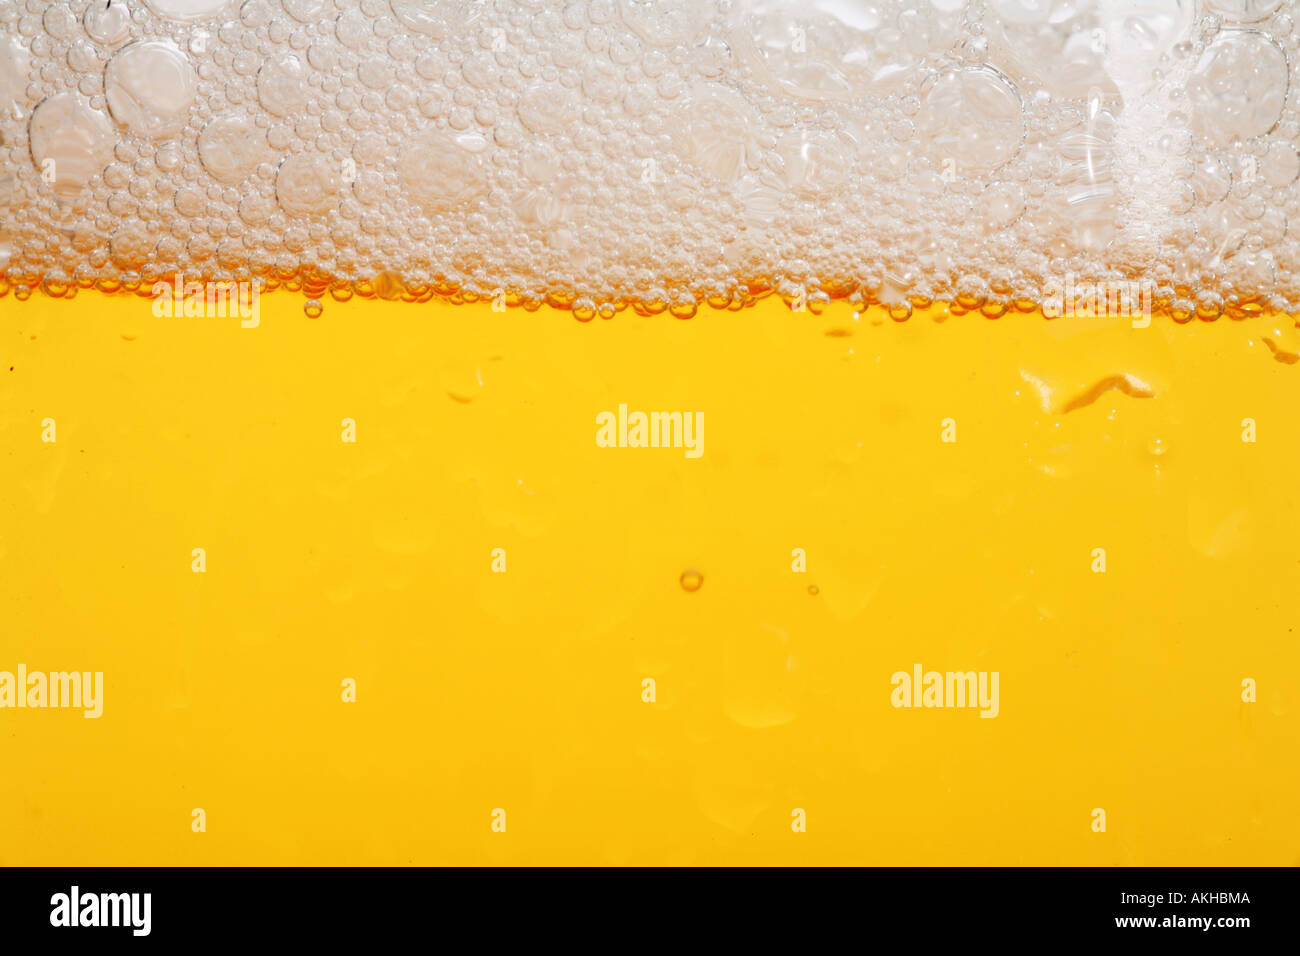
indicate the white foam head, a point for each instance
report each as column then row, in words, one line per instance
column 666, row 152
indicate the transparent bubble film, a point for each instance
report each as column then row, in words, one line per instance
column 659, row 154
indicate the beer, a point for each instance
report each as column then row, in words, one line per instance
column 989, row 375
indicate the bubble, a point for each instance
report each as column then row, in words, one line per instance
column 1134, row 34
column 1059, row 43
column 108, row 22
column 230, row 147
column 1002, row 205
column 82, row 57
column 132, row 244
column 441, row 172
column 1250, row 269
column 545, row 109
column 1280, row 165
column 1211, row 179
column 439, row 20
column 59, row 22
column 282, row 85
column 14, row 66
column 308, row 184
column 1244, row 11
column 376, row 73
column 826, row 49
column 351, row 29
column 1239, row 86
column 255, row 210
column 691, row 580
column 663, row 23
column 307, row 11
column 1086, row 173
column 972, row 117
column 814, row 162
column 313, row 309
column 150, row 88
column 76, row 138
column 254, row 13
column 184, row 10
column 716, row 126
column 168, row 157
column 189, row 202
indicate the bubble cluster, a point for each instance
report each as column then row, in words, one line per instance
column 598, row 155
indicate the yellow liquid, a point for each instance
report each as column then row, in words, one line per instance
column 523, row 691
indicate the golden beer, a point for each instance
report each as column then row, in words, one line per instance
column 948, row 530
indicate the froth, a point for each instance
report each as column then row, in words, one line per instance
column 604, row 153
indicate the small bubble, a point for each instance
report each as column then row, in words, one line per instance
column 691, row 580
column 183, row 10
column 108, row 23
column 684, row 309
column 814, row 590
column 313, row 308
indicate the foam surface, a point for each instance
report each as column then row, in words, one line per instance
column 663, row 153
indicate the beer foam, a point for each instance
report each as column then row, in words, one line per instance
column 597, row 154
